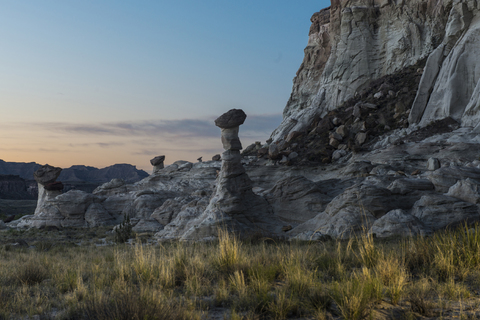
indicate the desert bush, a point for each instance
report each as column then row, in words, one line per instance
column 418, row 254
column 453, row 290
column 229, row 253
column 123, row 231
column 368, row 251
column 318, row 299
column 420, row 295
column 354, row 297
column 133, row 304
column 260, row 280
column 32, row 271
column 67, row 280
column 282, row 305
column 393, row 275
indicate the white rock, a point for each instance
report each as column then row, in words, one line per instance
column 466, row 190
column 398, row 223
column 433, row 164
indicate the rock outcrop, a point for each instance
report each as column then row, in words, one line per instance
column 56, row 209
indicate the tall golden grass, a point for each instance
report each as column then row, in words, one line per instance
column 262, row 280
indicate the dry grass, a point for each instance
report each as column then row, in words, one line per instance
column 432, row 277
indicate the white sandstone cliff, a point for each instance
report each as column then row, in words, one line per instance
column 354, row 42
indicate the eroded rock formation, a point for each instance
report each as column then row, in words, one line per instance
column 234, row 205
column 157, row 163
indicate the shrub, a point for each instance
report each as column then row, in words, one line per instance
column 354, row 298
column 31, row 272
column 420, row 296
column 123, row 231
column 229, row 251
column 134, row 305
column 394, row 277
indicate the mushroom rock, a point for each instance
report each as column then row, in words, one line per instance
column 47, row 174
column 157, row 163
column 48, row 188
column 230, row 122
column 234, row 205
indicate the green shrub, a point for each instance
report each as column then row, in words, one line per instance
column 123, row 231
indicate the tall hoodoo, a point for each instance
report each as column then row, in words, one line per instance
column 234, row 205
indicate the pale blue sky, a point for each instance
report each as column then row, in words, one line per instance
column 104, row 82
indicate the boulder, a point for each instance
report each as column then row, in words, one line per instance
column 296, row 199
column 147, row 225
column 231, row 119
column 466, row 190
column 407, row 185
column 398, row 223
column 433, row 164
column 273, row 151
column 96, row 215
column 438, row 211
column 446, row 177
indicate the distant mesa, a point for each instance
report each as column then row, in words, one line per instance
column 78, row 177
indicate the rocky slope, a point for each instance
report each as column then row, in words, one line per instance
column 379, row 135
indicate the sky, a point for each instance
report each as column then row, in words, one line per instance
column 100, row 82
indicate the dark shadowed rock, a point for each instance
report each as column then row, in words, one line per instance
column 54, row 186
column 398, row 223
column 231, row 119
column 157, row 160
column 47, row 174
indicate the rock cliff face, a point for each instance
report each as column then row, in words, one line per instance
column 352, row 43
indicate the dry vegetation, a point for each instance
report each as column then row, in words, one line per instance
column 436, row 277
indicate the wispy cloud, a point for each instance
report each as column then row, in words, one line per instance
column 155, row 152
column 99, row 144
column 165, row 129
